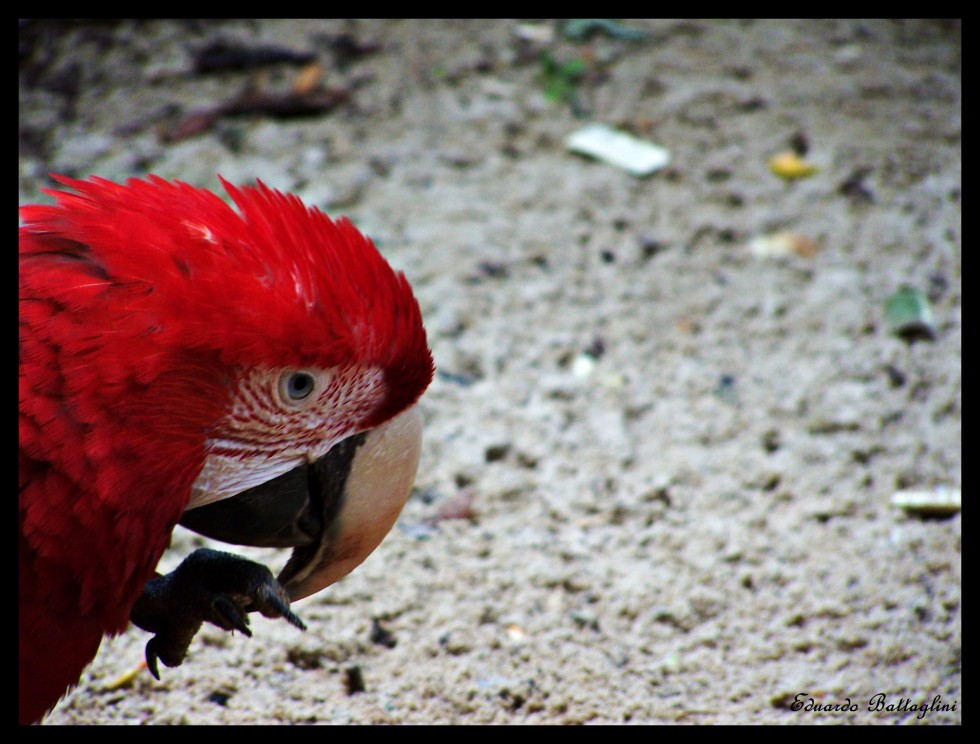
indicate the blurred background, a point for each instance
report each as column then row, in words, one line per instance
column 693, row 449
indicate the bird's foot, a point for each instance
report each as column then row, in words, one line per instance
column 211, row 586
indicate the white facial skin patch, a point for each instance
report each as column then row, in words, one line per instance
column 267, row 433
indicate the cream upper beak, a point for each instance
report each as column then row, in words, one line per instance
column 380, row 479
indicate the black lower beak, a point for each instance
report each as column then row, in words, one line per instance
column 294, row 510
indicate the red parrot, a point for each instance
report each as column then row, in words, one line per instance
column 252, row 372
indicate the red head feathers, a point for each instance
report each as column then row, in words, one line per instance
column 275, row 284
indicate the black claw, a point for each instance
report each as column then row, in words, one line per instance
column 151, row 660
column 272, row 604
column 294, row 620
column 235, row 618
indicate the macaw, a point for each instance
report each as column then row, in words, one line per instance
column 251, row 371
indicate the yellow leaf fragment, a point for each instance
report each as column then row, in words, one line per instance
column 790, row 166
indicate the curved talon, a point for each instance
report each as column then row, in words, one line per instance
column 281, row 607
column 272, row 603
column 294, row 620
column 234, row 616
column 151, row 659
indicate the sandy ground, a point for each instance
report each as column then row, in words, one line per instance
column 680, row 454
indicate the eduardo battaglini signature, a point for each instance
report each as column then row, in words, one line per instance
column 877, row 703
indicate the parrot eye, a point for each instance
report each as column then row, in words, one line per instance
column 295, row 387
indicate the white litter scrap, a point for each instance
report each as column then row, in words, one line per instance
column 939, row 502
column 782, row 243
column 583, row 366
column 618, row 148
